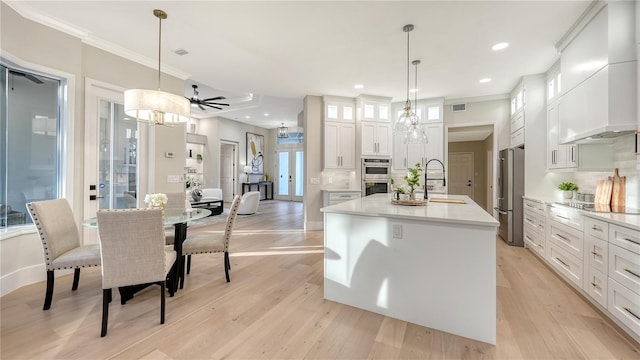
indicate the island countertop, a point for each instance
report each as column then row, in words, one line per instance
column 380, row 205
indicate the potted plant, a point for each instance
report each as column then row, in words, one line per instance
column 399, row 192
column 567, row 189
column 413, row 180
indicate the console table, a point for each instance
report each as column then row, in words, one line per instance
column 268, row 188
column 216, row 206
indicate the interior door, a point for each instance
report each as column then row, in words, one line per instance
column 461, row 174
column 227, row 171
column 111, row 156
column 290, row 179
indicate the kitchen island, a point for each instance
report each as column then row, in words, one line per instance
column 432, row 265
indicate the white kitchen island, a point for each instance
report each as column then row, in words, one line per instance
column 432, row 265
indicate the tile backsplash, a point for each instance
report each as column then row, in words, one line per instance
column 628, row 164
column 339, row 180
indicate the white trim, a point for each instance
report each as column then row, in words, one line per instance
column 22, row 277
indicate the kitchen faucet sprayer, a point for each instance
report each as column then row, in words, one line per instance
column 444, row 180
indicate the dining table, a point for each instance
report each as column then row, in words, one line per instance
column 179, row 219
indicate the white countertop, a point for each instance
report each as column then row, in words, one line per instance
column 342, row 190
column 380, row 205
column 628, row 220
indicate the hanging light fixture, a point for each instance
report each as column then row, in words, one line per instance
column 157, row 107
column 416, row 132
column 408, row 116
column 283, row 131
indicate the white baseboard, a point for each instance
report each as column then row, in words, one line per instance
column 313, row 225
column 22, row 277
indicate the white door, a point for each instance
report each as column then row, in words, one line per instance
column 290, row 179
column 461, row 174
column 227, row 171
column 111, row 154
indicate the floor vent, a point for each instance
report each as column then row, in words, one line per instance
column 458, row 107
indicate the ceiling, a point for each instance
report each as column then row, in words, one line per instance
column 265, row 56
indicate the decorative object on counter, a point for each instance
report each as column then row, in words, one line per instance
column 157, row 200
column 405, row 194
column 255, row 151
column 618, row 191
column 195, row 186
column 448, row 201
column 444, row 179
column 603, row 192
column 157, row 107
column 567, row 189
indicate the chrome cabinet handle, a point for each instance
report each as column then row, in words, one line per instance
column 596, row 228
column 562, row 262
column 631, row 240
column 631, row 312
column 563, row 238
column 596, row 286
column 632, row 273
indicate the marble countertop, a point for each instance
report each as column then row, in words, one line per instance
column 380, row 205
column 342, row 190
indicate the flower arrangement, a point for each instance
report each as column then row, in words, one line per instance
column 156, row 200
column 195, row 185
column 413, row 179
column 568, row 186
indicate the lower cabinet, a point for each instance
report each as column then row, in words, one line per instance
column 566, row 264
column 337, row 197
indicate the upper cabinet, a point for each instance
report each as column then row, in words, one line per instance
column 527, row 104
column 599, row 75
column 558, row 156
column 374, row 113
column 339, row 133
column 407, row 155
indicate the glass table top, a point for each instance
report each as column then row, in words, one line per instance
column 172, row 216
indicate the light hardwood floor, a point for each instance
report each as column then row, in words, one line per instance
column 274, row 308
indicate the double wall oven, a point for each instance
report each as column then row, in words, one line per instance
column 376, row 176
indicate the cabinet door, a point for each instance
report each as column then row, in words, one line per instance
column 416, row 154
column 368, row 138
column 347, row 149
column 399, row 152
column 331, row 138
column 435, row 146
column 383, row 139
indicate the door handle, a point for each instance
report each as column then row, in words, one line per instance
column 468, row 182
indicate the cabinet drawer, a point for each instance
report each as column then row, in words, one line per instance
column 343, row 196
column 596, row 286
column 567, row 238
column 568, row 216
column 596, row 251
column 530, row 218
column 625, row 238
column 624, row 305
column 517, row 122
column 624, row 267
column 534, row 206
column 534, row 240
column 567, row 265
column 517, row 138
column 596, row 228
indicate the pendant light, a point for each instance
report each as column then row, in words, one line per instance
column 283, row 131
column 408, row 116
column 157, row 107
column 416, row 134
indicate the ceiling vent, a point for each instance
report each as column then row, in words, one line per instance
column 458, row 107
column 181, row 52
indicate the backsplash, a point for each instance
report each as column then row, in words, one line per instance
column 339, row 180
column 628, row 164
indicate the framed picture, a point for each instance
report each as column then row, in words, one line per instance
column 255, row 153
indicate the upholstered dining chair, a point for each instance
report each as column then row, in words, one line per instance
column 133, row 253
column 61, row 242
column 174, row 200
column 213, row 243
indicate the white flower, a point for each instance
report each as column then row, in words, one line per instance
column 158, row 199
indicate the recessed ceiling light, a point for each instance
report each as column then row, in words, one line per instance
column 266, row 114
column 500, row 46
column 247, row 117
column 358, row 86
column 485, row 80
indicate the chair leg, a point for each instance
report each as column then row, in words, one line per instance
column 162, row 301
column 226, row 266
column 188, row 264
column 182, row 271
column 48, row 296
column 76, row 279
column 106, row 298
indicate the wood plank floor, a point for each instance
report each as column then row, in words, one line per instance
column 274, row 309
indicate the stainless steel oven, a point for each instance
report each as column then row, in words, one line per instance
column 376, row 176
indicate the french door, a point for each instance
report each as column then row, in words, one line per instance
column 290, row 175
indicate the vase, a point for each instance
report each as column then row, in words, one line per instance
column 196, row 196
column 567, row 194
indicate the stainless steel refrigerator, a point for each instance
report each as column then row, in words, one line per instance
column 510, row 192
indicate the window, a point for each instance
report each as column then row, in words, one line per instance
column 30, row 123
column 551, row 88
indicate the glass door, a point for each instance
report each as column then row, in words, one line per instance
column 290, row 180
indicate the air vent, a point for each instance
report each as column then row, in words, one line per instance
column 181, row 52
column 458, row 107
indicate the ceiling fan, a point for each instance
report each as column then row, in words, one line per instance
column 210, row 102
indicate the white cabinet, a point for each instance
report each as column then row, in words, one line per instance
column 534, row 227
column 435, row 146
column 624, row 276
column 565, row 242
column 376, row 110
column 339, row 145
column 596, row 256
column 331, row 197
column 558, row 156
column 339, row 109
column 376, row 138
column 527, row 101
column 407, row 155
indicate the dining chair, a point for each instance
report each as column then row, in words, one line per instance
column 133, row 253
column 174, row 200
column 213, row 242
column 61, row 242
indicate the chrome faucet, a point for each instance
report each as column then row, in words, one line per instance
column 443, row 178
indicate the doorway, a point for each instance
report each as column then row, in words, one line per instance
column 290, row 175
column 461, row 174
column 228, row 151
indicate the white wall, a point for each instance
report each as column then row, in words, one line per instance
column 313, row 152
column 482, row 112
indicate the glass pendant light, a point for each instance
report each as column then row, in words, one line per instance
column 408, row 116
column 156, row 106
column 416, row 134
